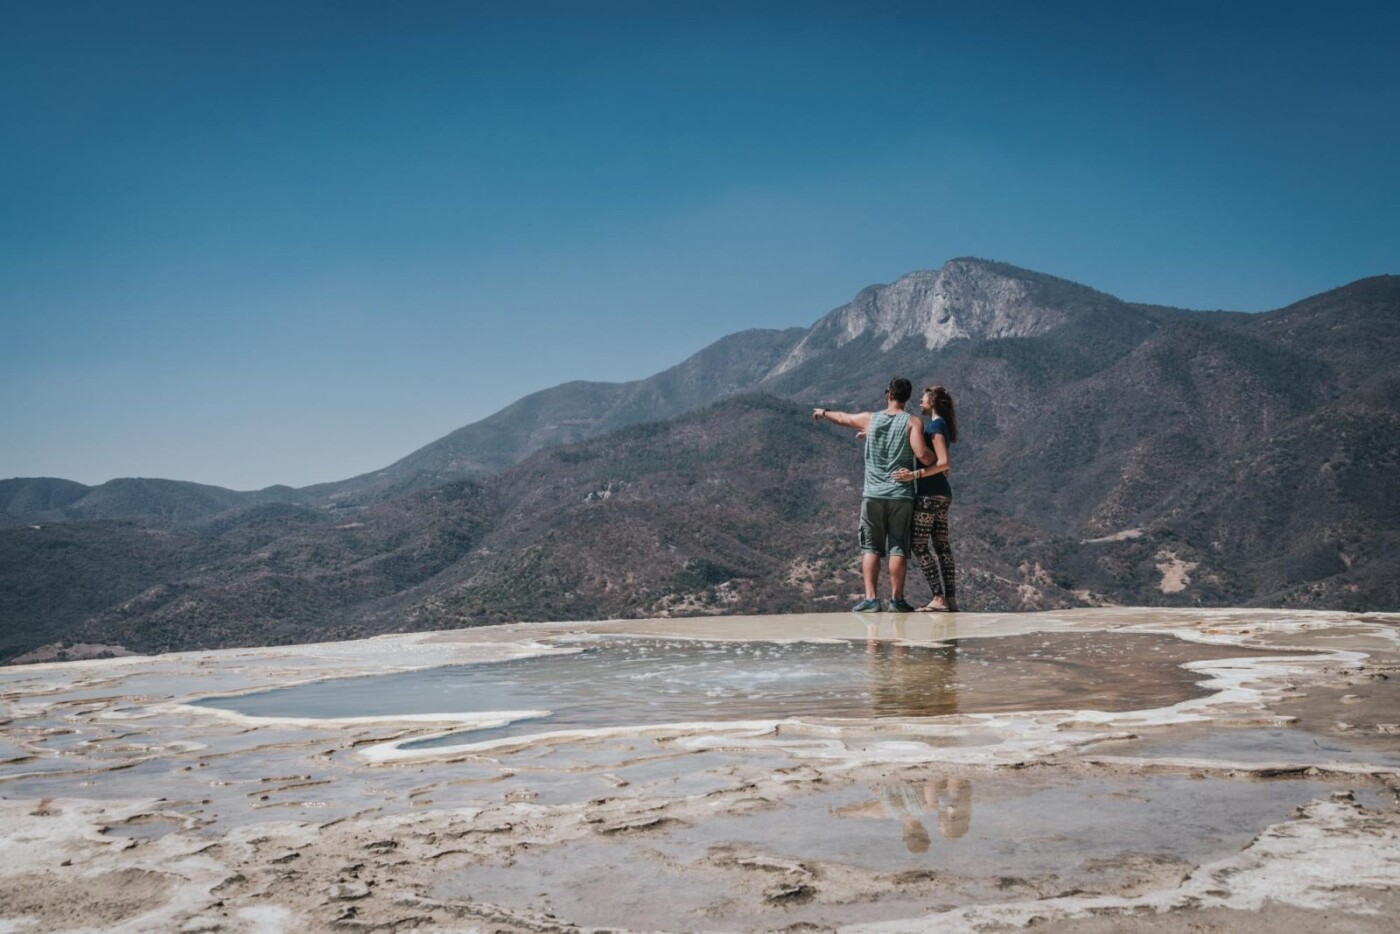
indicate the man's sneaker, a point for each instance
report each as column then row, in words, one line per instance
column 866, row 606
column 898, row 605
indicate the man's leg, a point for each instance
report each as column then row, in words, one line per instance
column 899, row 526
column 899, row 566
column 872, row 545
column 870, row 570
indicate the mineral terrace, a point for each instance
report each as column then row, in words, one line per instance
column 1089, row 770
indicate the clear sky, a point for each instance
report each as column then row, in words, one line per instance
column 249, row 243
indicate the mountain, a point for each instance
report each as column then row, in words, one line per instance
column 968, row 303
column 1111, row 452
column 966, row 300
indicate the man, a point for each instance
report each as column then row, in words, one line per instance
column 893, row 439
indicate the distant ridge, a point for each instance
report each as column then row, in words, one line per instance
column 167, row 502
column 30, row 498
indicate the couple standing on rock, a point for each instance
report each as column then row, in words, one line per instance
column 906, row 495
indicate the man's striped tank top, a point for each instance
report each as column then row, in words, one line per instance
column 887, row 449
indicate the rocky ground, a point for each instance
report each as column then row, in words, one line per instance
column 1265, row 796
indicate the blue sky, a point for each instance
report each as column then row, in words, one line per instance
column 247, row 243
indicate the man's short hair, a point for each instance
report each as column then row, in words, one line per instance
column 901, row 389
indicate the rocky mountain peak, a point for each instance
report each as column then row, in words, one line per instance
column 965, row 299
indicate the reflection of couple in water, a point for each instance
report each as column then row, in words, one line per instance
column 948, row 798
column 904, row 507
column 912, row 680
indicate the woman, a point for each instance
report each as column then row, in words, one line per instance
column 932, row 497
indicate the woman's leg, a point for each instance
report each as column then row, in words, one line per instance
column 938, row 518
column 923, row 529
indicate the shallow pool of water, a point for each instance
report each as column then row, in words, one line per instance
column 642, row 681
column 933, row 842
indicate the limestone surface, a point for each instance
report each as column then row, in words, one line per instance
column 1106, row 769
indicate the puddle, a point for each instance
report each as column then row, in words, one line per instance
column 1003, row 827
column 641, row 681
column 937, row 842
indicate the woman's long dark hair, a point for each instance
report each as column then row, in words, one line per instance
column 943, row 405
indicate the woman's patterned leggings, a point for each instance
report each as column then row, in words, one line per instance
column 931, row 527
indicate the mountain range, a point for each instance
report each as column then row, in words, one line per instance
column 1112, row 452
